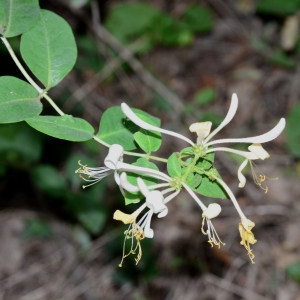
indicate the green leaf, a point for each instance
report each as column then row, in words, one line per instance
column 47, row 178
column 129, row 20
column 198, row 19
column 280, row 58
column 193, row 180
column 278, row 7
column 170, row 32
column 173, row 166
column 63, row 127
column 36, row 228
column 211, row 188
column 132, row 178
column 293, row 271
column 17, row 16
column 292, row 131
column 115, row 128
column 186, row 152
column 18, row 101
column 148, row 140
column 93, row 220
column 49, row 48
column 205, row 96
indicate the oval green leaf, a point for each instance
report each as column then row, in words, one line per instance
column 18, row 101
column 211, row 189
column 17, row 16
column 173, row 166
column 63, row 127
column 292, row 131
column 49, row 48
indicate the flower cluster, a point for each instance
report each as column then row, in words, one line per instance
column 158, row 195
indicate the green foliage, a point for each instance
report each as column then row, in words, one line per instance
column 18, row 101
column 19, row 144
column 205, row 96
column 211, row 188
column 47, row 178
column 36, row 228
column 280, row 58
column 132, row 178
column 198, row 18
column 63, row 127
column 115, row 128
column 278, row 7
column 17, row 16
column 173, row 166
column 131, row 19
column 293, row 271
column 292, row 131
column 49, row 48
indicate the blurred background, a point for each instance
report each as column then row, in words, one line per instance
column 180, row 61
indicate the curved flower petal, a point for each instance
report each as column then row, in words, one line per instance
column 269, row 136
column 241, row 177
column 124, row 183
column 231, row 112
column 115, row 154
column 136, row 120
column 246, row 154
column 154, row 173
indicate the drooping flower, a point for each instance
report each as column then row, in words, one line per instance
column 212, row 211
column 247, row 236
column 154, row 200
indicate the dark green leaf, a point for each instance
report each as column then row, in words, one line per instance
column 63, row 127
column 280, row 58
column 115, row 128
column 49, row 48
column 132, row 178
column 186, row 152
column 293, row 271
column 193, row 181
column 173, row 166
column 131, row 19
column 18, row 101
column 17, row 16
column 205, row 96
column 198, row 19
column 211, row 188
column 93, row 220
column 278, row 7
column 49, row 180
column 292, row 130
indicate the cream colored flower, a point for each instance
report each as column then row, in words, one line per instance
column 247, row 236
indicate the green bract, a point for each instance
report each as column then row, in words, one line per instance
column 64, row 127
column 49, row 48
column 173, row 166
column 17, row 16
column 18, row 101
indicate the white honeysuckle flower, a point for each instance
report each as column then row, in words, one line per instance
column 210, row 212
column 114, row 156
column 136, row 120
column 202, row 130
column 245, row 226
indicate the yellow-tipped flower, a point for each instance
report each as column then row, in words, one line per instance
column 247, row 236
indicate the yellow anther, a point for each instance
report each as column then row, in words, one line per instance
column 125, row 218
